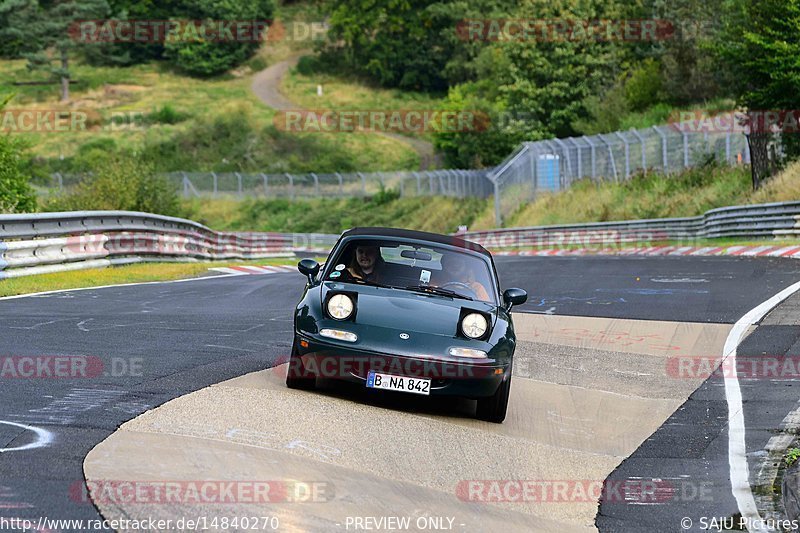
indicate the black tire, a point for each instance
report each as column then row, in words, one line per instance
column 493, row 408
column 297, row 375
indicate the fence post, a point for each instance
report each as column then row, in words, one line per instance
column 728, row 148
column 291, row 186
column 341, row 184
column 578, row 155
column 565, row 149
column 611, row 157
column 627, row 154
column 185, row 185
column 214, row 174
column 498, row 219
column 685, row 150
column 664, row 159
column 419, row 183
column 239, row 182
column 266, row 184
column 644, row 151
column 363, row 184
column 594, row 156
column 316, row 184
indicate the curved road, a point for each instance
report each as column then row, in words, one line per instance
column 153, row 342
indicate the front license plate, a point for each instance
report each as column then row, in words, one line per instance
column 398, row 383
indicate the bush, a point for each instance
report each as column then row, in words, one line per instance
column 16, row 195
column 121, row 183
column 167, row 114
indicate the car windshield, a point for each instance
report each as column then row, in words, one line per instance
column 423, row 268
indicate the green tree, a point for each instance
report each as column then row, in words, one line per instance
column 14, row 40
column 49, row 31
column 207, row 58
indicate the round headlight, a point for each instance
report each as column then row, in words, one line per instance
column 340, row 306
column 474, row 325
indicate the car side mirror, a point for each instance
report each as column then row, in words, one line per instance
column 513, row 297
column 309, row 268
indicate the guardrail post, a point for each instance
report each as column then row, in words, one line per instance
column 185, row 185
column 266, row 184
column 239, row 182
column 419, row 183
column 216, row 185
column 341, row 184
column 402, row 186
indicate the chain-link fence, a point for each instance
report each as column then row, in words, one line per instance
column 553, row 165
column 534, row 168
column 454, row 183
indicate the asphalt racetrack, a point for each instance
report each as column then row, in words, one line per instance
column 594, row 399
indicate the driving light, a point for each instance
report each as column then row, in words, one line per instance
column 467, row 352
column 474, row 325
column 340, row 306
column 339, row 335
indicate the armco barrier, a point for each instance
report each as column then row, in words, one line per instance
column 775, row 220
column 56, row 242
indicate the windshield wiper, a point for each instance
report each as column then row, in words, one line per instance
column 435, row 290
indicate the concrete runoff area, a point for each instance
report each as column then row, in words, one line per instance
column 586, row 393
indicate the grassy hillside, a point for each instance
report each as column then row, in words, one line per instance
column 438, row 214
column 654, row 196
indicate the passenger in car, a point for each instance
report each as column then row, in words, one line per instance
column 366, row 264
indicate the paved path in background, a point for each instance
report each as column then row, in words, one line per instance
column 267, row 87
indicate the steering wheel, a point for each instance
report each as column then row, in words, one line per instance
column 461, row 285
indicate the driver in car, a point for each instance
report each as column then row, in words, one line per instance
column 366, row 264
column 456, row 271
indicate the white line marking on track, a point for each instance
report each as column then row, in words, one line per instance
column 43, row 438
column 737, row 451
column 59, row 291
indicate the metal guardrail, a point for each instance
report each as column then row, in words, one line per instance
column 56, row 242
column 774, row 220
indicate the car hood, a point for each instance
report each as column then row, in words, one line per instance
column 399, row 309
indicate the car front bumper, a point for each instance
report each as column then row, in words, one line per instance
column 449, row 376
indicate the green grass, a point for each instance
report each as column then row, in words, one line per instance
column 117, row 275
column 343, row 93
column 437, row 214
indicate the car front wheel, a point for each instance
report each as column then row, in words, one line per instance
column 493, row 408
column 297, row 375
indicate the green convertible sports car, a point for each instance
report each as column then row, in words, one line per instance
column 407, row 311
